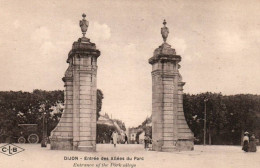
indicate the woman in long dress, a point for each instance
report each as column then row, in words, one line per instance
column 114, row 136
column 252, row 144
column 245, row 142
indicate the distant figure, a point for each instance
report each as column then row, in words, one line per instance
column 126, row 139
column 114, row 137
column 245, row 142
column 252, row 144
column 146, row 141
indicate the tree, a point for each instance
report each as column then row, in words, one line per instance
column 216, row 115
column 100, row 97
column 27, row 108
column 242, row 110
column 104, row 133
column 121, row 124
column 193, row 111
column 227, row 116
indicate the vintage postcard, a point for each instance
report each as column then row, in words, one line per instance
column 129, row 84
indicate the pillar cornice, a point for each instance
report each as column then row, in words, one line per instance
column 165, row 58
column 181, row 83
column 164, row 53
column 164, row 73
column 83, row 49
column 67, row 79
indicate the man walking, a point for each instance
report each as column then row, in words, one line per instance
column 114, row 137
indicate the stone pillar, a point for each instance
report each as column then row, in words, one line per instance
column 62, row 135
column 170, row 131
column 80, row 98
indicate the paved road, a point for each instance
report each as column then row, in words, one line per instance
column 202, row 157
column 120, row 148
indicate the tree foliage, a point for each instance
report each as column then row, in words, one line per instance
column 100, row 97
column 227, row 116
column 27, row 108
column 104, row 133
column 121, row 124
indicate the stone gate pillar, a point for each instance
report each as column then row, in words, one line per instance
column 76, row 129
column 170, row 131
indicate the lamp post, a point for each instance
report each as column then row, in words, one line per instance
column 44, row 133
column 205, row 119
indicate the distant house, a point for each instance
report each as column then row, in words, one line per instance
column 104, row 119
column 141, row 138
column 132, row 132
column 131, row 135
column 103, row 134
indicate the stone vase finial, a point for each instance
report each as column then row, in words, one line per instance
column 83, row 24
column 164, row 31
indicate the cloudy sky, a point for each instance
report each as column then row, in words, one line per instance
column 218, row 41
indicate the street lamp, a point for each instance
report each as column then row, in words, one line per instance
column 44, row 130
column 205, row 119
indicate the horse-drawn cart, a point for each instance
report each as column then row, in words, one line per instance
column 28, row 133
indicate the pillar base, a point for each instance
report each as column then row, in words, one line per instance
column 180, row 145
column 61, row 143
column 169, row 149
column 185, row 145
column 157, row 145
column 87, row 148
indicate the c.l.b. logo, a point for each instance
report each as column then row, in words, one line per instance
column 10, row 149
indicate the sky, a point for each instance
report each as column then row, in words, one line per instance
column 218, row 41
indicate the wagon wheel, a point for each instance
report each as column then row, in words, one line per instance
column 21, row 140
column 33, row 138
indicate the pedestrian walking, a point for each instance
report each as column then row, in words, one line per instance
column 146, row 141
column 126, row 139
column 252, row 144
column 245, row 142
column 114, row 137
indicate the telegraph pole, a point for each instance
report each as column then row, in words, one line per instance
column 205, row 119
column 44, row 133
